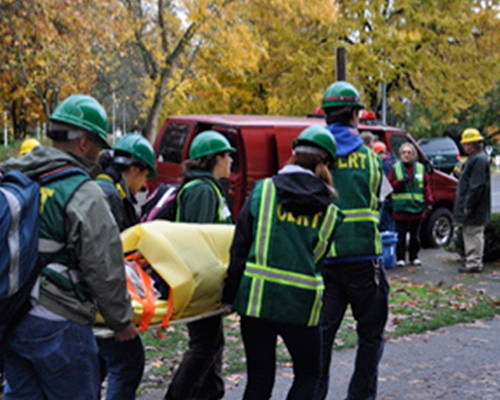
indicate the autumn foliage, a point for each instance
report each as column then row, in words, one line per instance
column 239, row 56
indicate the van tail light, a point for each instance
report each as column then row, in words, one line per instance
column 457, row 156
column 366, row 114
column 318, row 111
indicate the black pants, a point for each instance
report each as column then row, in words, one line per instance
column 303, row 344
column 402, row 228
column 362, row 285
column 199, row 377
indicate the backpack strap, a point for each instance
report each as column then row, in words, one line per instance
column 60, row 173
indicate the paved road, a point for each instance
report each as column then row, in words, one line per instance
column 455, row 363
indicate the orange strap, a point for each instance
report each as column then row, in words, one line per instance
column 148, row 303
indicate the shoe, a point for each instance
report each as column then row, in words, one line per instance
column 416, row 262
column 465, row 270
column 400, row 263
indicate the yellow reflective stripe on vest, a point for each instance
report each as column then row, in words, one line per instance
column 375, row 179
column 325, row 232
column 266, row 214
column 316, row 309
column 408, row 196
column 398, row 171
column 360, row 215
column 295, row 279
column 255, row 297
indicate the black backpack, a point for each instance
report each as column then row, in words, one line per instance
column 161, row 204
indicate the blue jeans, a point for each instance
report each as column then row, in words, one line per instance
column 304, row 345
column 362, row 285
column 51, row 360
column 124, row 363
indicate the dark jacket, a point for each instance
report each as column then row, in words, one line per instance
column 474, row 192
column 300, row 193
column 120, row 199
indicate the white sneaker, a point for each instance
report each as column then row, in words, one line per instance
column 400, row 263
column 416, row 262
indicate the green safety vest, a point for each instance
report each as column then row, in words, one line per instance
column 62, row 268
column 281, row 281
column 223, row 212
column 357, row 179
column 412, row 200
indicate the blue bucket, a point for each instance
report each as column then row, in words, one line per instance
column 389, row 240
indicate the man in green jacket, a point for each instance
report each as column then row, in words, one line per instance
column 352, row 271
column 473, row 200
column 52, row 353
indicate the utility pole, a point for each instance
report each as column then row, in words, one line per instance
column 384, row 103
column 341, row 59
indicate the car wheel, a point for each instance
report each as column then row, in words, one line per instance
column 438, row 229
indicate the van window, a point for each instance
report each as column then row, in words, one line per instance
column 396, row 142
column 172, row 143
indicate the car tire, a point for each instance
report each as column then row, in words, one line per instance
column 437, row 230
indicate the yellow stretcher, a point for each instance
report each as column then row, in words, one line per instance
column 191, row 258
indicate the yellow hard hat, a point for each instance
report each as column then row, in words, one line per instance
column 27, row 146
column 471, row 135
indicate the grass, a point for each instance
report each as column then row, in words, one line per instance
column 414, row 308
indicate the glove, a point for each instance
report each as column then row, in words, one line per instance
column 406, row 179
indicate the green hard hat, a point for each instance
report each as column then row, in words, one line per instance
column 209, row 142
column 318, row 136
column 83, row 112
column 139, row 147
column 342, row 94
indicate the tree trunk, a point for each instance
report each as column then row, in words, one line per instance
column 154, row 111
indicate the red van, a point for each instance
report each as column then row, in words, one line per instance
column 263, row 146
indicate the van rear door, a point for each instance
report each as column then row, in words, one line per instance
column 171, row 150
column 284, row 140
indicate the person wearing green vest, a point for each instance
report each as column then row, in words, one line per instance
column 52, row 353
column 274, row 280
column 352, row 271
column 411, row 199
column 200, row 200
column 132, row 162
